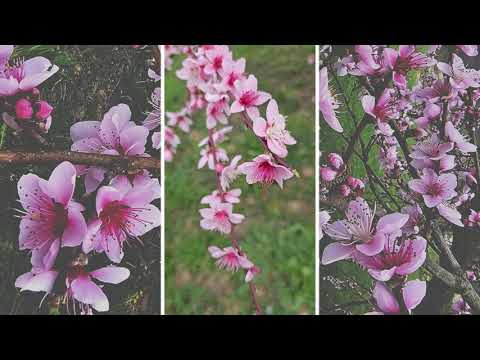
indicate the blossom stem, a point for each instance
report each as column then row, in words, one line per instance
column 103, row 160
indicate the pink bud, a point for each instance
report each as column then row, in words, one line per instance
column 327, row 174
column 345, row 190
column 471, row 276
column 44, row 110
column 335, row 161
column 354, row 183
column 23, row 109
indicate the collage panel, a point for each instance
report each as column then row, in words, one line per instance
column 79, row 179
column 240, row 179
column 399, row 179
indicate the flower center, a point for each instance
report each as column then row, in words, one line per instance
column 248, row 98
column 60, row 219
column 434, row 189
column 221, row 215
column 266, row 172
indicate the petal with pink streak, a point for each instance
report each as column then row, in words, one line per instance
column 147, row 219
column 106, row 195
column 373, row 247
column 84, row 129
column 61, row 183
column 133, row 140
column 87, row 292
column 385, row 299
column 41, row 282
column 413, row 293
column 76, row 229
column 259, row 127
column 419, row 247
column 111, row 274
column 335, row 252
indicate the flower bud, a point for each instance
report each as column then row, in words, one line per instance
column 327, row 174
column 345, row 190
column 335, row 161
column 23, row 109
column 44, row 110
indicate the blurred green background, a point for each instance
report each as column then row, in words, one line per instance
column 279, row 231
column 91, row 79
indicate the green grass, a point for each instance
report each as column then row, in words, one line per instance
column 279, row 231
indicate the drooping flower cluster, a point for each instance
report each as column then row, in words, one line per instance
column 423, row 106
column 21, row 105
column 52, row 219
column 219, row 84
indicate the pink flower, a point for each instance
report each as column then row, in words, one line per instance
column 44, row 110
column 251, row 273
column 263, row 170
column 247, row 97
column 179, row 119
column 217, row 58
column 123, row 212
column 415, row 216
column 273, row 130
column 219, row 217
column 430, row 113
column 413, row 293
column 233, row 71
column 23, row 109
column 469, row 50
column 231, row 197
column 82, row 288
column 357, row 233
column 327, row 103
column 440, row 90
column 24, row 75
column 382, row 110
column 431, row 149
column 398, row 257
column 458, row 139
column 51, row 218
column 335, row 161
column 229, row 173
column 114, row 135
column 460, row 77
column 327, row 174
column 434, row 189
column 206, row 156
column 403, row 61
column 229, row 259
column 217, row 110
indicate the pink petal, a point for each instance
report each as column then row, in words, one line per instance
column 373, row 247
column 385, row 299
column 111, row 274
column 335, row 252
column 87, row 292
column 259, row 127
column 133, row 140
column 41, row 282
column 84, row 129
column 61, row 183
column 413, row 293
column 76, row 229
column 106, row 195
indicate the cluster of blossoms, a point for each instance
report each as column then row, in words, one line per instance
column 55, row 226
column 347, row 187
column 420, row 103
column 21, row 104
column 218, row 83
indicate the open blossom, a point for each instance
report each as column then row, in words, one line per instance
column 123, row 212
column 82, row 288
column 263, row 170
column 219, row 217
column 228, row 258
column 406, row 59
column 398, row 258
column 434, row 189
column 229, row 173
column 207, row 157
column 247, row 97
column 431, row 149
column 217, row 58
column 218, row 109
column 383, row 109
column 370, row 62
column 460, row 77
column 233, row 71
column 231, row 196
column 51, row 218
column 327, row 103
column 273, row 130
column 357, row 232
column 114, row 135
column 430, row 114
column 179, row 119
column 21, row 75
column 413, row 293
column 458, row 139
